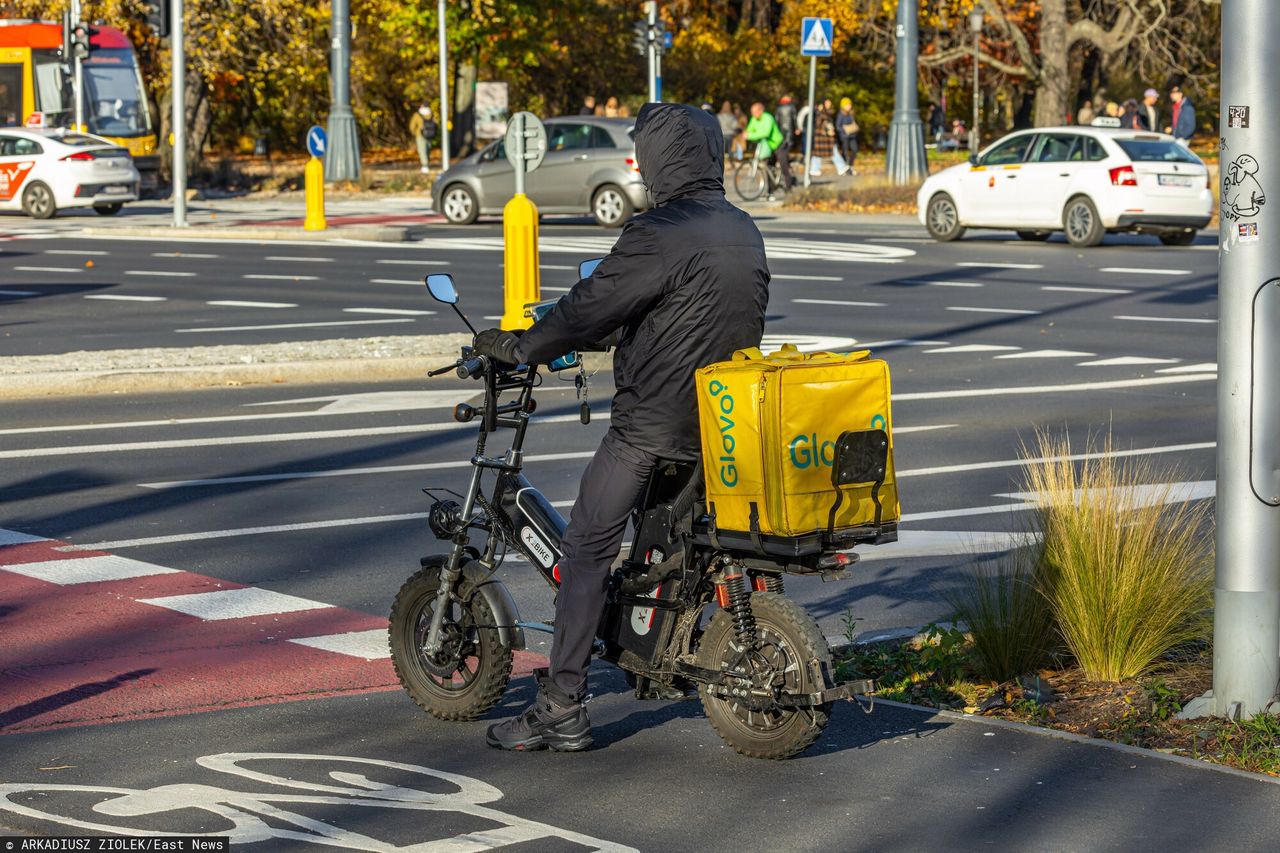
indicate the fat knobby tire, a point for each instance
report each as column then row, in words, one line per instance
column 799, row 728
column 495, row 659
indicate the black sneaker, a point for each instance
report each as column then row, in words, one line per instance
column 554, row 721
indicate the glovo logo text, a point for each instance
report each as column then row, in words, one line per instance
column 728, row 464
column 807, row 451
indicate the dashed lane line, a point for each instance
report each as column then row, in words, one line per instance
column 844, row 302
column 1127, row 361
column 781, row 277
column 1203, row 367
column 48, row 269
column 408, row 312
column 1074, row 387
column 1143, row 319
column 237, row 303
column 1062, row 288
column 121, row 297
column 268, row 277
column 74, row 252
column 1047, row 353
column 162, row 273
column 1143, row 271
column 999, row 266
column 294, row 325
column 299, row 259
column 1074, row 457
column 413, row 263
column 918, row 282
column 197, row 255
column 976, row 310
column 241, row 531
column 968, row 348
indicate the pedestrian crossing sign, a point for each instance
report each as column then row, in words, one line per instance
column 815, row 37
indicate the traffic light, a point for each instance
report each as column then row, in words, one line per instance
column 159, row 17
column 643, row 34
column 81, row 40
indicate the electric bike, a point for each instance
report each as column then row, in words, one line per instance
column 759, row 663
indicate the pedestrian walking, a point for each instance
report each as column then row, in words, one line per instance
column 1084, row 115
column 847, row 133
column 785, row 115
column 423, row 127
column 824, row 141
column 1183, row 124
column 1147, row 112
column 937, row 122
column 1130, row 116
column 588, row 106
column 728, row 125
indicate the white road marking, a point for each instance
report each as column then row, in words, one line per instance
column 415, row 281
column 13, row 537
column 780, row 277
column 1075, row 457
column 292, row 325
column 414, row 263
column 236, row 303
column 901, row 342
column 199, row 255
column 347, row 472
column 966, row 348
column 48, row 269
column 999, row 266
column 844, row 302
column 1143, row 271
column 1202, row 367
column 943, row 543
column 1054, row 389
column 1140, row 318
column 369, row 645
column 162, row 273
column 1145, row 495
column 556, row 267
column 556, row 289
column 899, row 239
column 1126, row 361
column 265, row 277
column 806, row 343
column 74, row 252
column 87, row 570
column 120, row 297
column 19, row 293
column 1056, row 288
column 946, row 283
column 992, row 310
column 909, row 517
column 299, row 259
column 112, row 545
column 234, row 603
column 923, row 428
column 407, row 312
column 1047, row 353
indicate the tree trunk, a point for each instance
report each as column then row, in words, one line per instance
column 1052, row 104
column 464, row 108
column 755, row 14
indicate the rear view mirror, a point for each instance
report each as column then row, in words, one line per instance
column 440, row 285
column 973, row 159
column 586, row 268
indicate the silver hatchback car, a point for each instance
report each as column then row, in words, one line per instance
column 590, row 167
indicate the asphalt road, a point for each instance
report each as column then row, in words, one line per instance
column 303, row 504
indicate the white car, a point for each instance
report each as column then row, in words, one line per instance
column 43, row 171
column 1084, row 181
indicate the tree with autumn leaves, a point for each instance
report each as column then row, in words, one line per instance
column 260, row 67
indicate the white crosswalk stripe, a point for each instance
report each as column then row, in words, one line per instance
column 778, row 249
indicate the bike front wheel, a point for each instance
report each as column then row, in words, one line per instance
column 792, row 655
column 470, row 672
column 750, row 180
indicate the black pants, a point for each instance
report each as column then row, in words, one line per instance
column 783, row 155
column 612, row 485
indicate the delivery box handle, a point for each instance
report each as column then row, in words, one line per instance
column 861, row 458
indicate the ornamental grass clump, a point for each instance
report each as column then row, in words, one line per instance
column 1127, row 565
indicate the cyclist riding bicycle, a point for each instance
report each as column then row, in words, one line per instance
column 764, row 131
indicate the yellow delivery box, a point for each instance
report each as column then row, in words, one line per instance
column 769, row 430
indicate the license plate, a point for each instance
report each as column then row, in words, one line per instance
column 1176, row 181
column 118, row 188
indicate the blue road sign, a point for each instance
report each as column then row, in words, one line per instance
column 668, row 39
column 317, row 141
column 815, row 37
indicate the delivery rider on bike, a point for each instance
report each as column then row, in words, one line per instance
column 685, row 286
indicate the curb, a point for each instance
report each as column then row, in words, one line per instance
column 366, row 233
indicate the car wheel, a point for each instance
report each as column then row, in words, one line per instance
column 1081, row 222
column 611, row 207
column 1033, row 236
column 38, row 202
column 942, row 219
column 108, row 209
column 458, row 204
column 1178, row 238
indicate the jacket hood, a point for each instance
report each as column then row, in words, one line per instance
column 680, row 151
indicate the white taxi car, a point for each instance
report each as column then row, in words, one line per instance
column 43, row 171
column 1084, row 181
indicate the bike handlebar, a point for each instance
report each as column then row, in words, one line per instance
column 470, row 368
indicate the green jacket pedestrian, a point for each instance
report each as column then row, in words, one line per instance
column 763, row 130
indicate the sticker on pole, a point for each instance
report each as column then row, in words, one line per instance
column 317, row 141
column 815, row 37
column 527, row 138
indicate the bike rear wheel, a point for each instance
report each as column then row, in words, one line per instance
column 792, row 655
column 470, row 673
column 750, row 180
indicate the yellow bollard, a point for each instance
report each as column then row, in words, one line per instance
column 315, row 195
column 521, row 281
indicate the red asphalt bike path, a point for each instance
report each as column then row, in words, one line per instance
column 87, row 637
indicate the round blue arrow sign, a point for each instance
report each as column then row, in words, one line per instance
column 317, row 141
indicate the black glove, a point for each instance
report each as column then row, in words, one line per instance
column 498, row 345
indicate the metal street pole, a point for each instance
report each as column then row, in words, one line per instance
column 905, row 160
column 342, row 161
column 178, row 97
column 975, row 24
column 808, row 121
column 78, row 84
column 444, row 88
column 651, row 22
column 1246, row 633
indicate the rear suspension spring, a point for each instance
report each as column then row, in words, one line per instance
column 739, row 607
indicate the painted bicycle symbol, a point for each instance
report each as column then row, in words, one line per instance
column 246, row 814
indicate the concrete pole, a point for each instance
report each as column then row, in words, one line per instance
column 905, row 161
column 178, row 97
column 1246, row 635
column 651, row 21
column 444, row 87
column 342, row 160
column 808, row 121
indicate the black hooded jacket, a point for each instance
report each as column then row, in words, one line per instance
column 685, row 285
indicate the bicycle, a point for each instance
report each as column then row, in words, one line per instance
column 754, row 177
